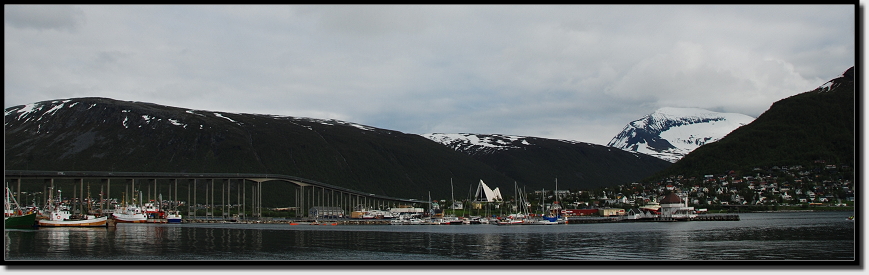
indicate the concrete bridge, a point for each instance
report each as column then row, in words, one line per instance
column 306, row 194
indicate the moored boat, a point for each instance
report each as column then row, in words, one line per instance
column 546, row 221
column 173, row 217
column 13, row 216
column 62, row 218
column 130, row 214
column 153, row 212
column 477, row 220
column 510, row 222
column 57, row 215
column 20, row 221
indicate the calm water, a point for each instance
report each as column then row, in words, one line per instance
column 816, row 236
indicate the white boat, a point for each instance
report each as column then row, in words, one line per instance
column 509, row 221
column 522, row 216
column 556, row 210
column 477, row 220
column 405, row 220
column 544, row 222
column 130, row 214
column 58, row 215
column 173, row 217
column 60, row 218
column 452, row 220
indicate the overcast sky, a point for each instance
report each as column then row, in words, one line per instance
column 576, row 72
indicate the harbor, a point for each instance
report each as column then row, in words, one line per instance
column 314, row 204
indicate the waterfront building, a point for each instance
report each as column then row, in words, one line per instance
column 673, row 206
column 326, row 212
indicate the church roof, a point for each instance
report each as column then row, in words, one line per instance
column 671, row 198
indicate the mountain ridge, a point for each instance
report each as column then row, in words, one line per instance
column 101, row 134
column 670, row 133
column 817, row 125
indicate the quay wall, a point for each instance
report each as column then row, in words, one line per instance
column 570, row 220
column 716, row 218
column 294, row 222
column 581, row 220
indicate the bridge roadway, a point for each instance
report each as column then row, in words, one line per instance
column 308, row 194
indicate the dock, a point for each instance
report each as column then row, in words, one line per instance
column 729, row 217
column 582, row 220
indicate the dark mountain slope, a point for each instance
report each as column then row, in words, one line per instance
column 536, row 162
column 815, row 125
column 109, row 135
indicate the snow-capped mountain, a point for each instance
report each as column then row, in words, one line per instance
column 671, row 133
column 474, row 144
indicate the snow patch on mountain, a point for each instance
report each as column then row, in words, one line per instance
column 28, row 111
column 671, row 133
column 335, row 122
column 478, row 143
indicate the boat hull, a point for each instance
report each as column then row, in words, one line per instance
column 97, row 222
column 125, row 218
column 511, row 222
column 173, row 218
column 25, row 221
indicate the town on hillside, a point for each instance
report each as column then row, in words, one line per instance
column 762, row 188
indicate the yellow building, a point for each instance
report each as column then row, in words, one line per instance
column 606, row 212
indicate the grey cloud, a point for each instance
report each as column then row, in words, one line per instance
column 572, row 72
column 44, row 17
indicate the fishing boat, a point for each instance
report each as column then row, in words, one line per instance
column 62, row 218
column 153, row 212
column 58, row 215
column 20, row 221
column 130, row 214
column 13, row 216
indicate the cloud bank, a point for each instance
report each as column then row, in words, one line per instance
column 576, row 72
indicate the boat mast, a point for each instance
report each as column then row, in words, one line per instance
column 452, row 198
column 558, row 211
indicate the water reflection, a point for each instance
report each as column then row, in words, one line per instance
column 780, row 236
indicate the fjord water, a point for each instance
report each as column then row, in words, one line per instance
column 815, row 236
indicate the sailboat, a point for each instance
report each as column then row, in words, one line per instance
column 13, row 216
column 520, row 217
column 550, row 220
column 452, row 219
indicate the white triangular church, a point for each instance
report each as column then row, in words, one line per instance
column 485, row 194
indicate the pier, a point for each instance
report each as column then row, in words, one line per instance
column 729, row 217
column 581, row 220
column 704, row 217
